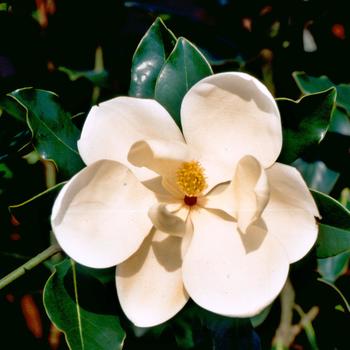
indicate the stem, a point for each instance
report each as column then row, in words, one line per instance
column 284, row 334
column 20, row 271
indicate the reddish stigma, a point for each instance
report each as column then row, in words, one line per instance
column 190, row 201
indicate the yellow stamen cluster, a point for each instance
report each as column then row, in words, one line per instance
column 191, row 179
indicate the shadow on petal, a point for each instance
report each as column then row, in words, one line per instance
column 168, row 252
column 254, row 236
column 139, row 258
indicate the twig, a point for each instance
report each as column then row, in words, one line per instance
column 38, row 259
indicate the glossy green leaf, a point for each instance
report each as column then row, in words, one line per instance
column 334, row 227
column 185, row 66
column 317, row 175
column 148, row 59
column 307, row 84
column 333, row 267
column 53, row 133
column 340, row 122
column 80, row 306
column 304, row 122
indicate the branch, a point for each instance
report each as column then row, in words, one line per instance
column 20, row 271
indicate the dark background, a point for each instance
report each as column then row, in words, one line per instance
column 264, row 38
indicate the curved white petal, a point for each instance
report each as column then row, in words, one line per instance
column 149, row 284
column 113, row 126
column 101, row 217
column 230, row 115
column 251, row 191
column 167, row 221
column 290, row 213
column 229, row 274
column 162, row 157
column 245, row 197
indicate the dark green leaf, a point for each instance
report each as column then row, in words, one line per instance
column 185, row 66
column 79, row 305
column 8, row 105
column 307, row 84
column 317, row 175
column 339, row 293
column 304, row 122
column 148, row 59
column 334, row 227
column 53, row 134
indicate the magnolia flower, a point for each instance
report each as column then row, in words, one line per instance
column 205, row 213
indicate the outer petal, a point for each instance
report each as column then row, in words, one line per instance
column 229, row 115
column 100, row 216
column 113, row 126
column 290, row 212
column 149, row 284
column 224, row 275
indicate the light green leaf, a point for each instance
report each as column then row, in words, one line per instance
column 317, row 175
column 148, row 59
column 79, row 305
column 333, row 267
column 53, row 133
column 334, row 227
column 185, row 66
column 258, row 319
column 304, row 122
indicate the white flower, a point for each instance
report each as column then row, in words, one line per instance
column 205, row 214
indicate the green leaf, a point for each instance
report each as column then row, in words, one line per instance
column 304, row 122
column 333, row 267
column 148, row 59
column 340, row 122
column 307, row 84
column 258, row 319
column 53, row 133
column 79, row 305
column 334, row 227
column 339, row 293
column 8, row 105
column 185, row 66
column 98, row 78
column 317, row 175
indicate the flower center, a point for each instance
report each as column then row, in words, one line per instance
column 191, row 181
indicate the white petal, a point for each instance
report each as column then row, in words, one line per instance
column 251, row 191
column 101, row 217
column 162, row 157
column 245, row 197
column 149, row 284
column 113, row 126
column 166, row 221
column 230, row 115
column 290, row 212
column 229, row 275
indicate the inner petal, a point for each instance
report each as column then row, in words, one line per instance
column 251, row 190
column 245, row 197
column 162, row 157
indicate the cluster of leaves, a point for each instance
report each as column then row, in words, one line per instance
column 81, row 301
